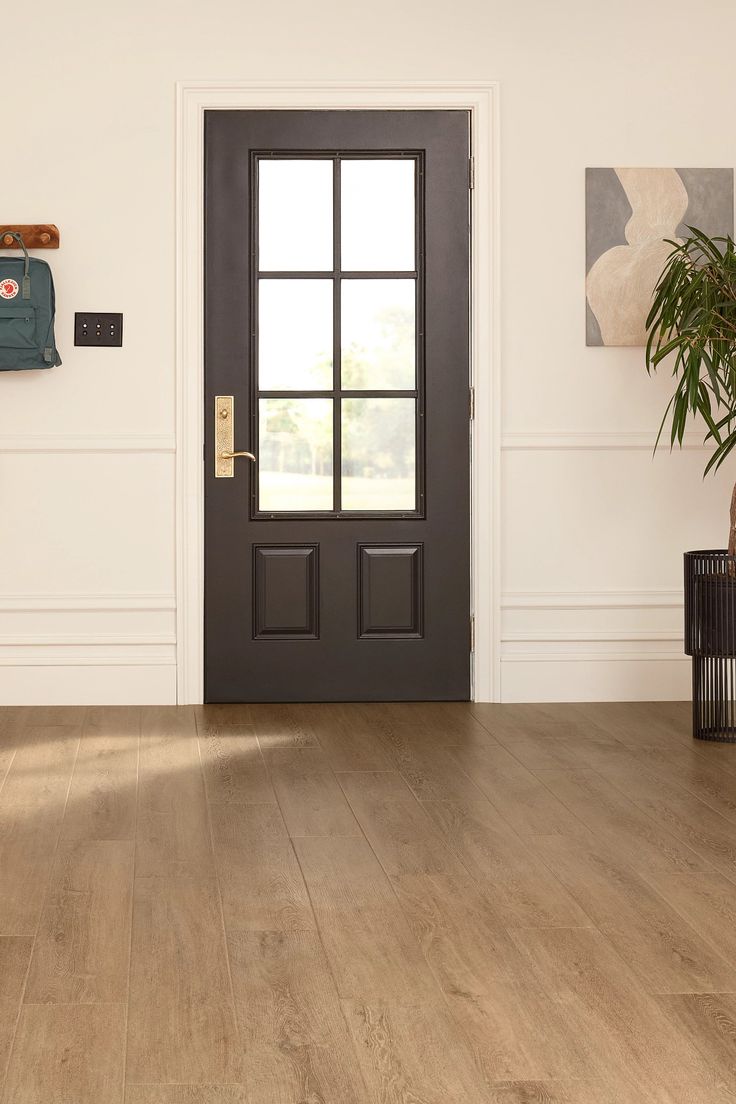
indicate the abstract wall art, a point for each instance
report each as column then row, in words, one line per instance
column 629, row 213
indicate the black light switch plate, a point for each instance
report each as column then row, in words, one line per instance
column 98, row 329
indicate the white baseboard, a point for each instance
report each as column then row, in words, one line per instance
column 90, row 682
column 658, row 676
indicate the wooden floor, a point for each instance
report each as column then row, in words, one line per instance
column 394, row 904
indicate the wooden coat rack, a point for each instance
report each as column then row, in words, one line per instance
column 41, row 235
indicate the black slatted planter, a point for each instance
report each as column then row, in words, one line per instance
column 710, row 638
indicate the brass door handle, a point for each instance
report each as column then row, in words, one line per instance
column 225, row 452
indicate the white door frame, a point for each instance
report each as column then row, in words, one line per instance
column 193, row 99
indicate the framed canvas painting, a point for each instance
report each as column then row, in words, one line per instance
column 629, row 214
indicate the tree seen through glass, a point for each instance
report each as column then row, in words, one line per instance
column 378, row 453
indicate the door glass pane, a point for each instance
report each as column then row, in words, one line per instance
column 295, row 335
column 295, row 215
column 378, row 454
column 295, row 454
column 377, row 215
column 378, row 335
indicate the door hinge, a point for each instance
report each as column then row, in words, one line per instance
column 471, row 403
column 471, row 173
column 472, row 634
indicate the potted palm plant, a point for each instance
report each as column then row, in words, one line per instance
column 693, row 321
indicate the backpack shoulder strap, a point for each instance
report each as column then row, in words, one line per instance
column 26, row 291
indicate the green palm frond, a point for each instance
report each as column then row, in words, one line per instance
column 693, row 320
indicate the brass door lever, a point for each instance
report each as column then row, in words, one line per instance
column 225, row 453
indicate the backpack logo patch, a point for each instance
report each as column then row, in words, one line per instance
column 8, row 289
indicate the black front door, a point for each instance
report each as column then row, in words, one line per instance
column 337, row 559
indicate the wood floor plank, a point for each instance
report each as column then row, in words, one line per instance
column 711, row 836
column 568, row 1092
column 521, row 798
column 181, row 1019
column 349, row 741
column 39, row 776
column 234, row 770
column 639, row 722
column 9, row 734
column 499, row 716
column 282, row 726
column 15, row 954
column 707, row 901
column 459, row 930
column 625, row 828
column 173, row 834
column 709, row 1019
column 446, row 723
column 6, row 758
column 542, row 750
column 490, row 992
column 522, row 887
column 104, row 790
column 558, row 720
column 67, row 1054
column 349, row 749
column 42, row 716
column 260, row 880
column 32, row 805
column 81, row 952
column 223, row 713
column 296, row 1041
column 427, row 767
column 623, row 1032
column 515, row 1033
column 396, row 825
column 687, row 768
column 412, row 1053
column 678, row 712
column 368, row 942
column 717, row 754
column 667, row 954
column 187, row 1094
column 27, row 844
column 311, row 801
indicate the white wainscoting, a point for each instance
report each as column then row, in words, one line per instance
column 593, row 646
column 592, row 524
column 90, row 649
column 78, row 644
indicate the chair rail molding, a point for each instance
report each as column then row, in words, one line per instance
column 481, row 100
column 580, row 599
column 86, row 442
column 605, row 441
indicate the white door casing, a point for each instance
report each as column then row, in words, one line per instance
column 481, row 101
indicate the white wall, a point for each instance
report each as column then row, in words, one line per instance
column 592, row 536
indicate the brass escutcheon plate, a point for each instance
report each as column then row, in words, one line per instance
column 224, row 436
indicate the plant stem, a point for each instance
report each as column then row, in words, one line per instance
column 732, row 530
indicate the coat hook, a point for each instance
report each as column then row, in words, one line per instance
column 38, row 235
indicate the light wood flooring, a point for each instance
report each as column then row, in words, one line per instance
column 366, row 904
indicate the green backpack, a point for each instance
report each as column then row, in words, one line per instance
column 27, row 307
